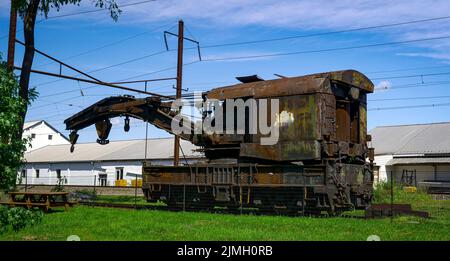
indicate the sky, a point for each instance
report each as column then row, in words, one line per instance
column 406, row 75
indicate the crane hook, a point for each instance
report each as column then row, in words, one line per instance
column 126, row 127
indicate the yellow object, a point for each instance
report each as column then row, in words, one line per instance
column 121, row 183
column 139, row 183
column 410, row 189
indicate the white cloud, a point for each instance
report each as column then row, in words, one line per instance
column 445, row 56
column 302, row 15
column 116, row 121
column 306, row 14
column 311, row 15
column 383, row 85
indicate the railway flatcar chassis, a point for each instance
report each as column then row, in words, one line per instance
column 331, row 187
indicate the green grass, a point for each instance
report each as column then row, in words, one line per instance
column 121, row 224
column 95, row 223
column 439, row 209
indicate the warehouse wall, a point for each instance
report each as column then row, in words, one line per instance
column 381, row 161
column 424, row 172
column 443, row 173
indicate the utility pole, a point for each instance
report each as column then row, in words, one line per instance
column 176, row 152
column 12, row 37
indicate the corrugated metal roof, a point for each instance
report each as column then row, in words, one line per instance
column 115, row 150
column 431, row 138
column 418, row 160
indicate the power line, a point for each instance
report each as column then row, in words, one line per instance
column 106, row 45
column 326, row 33
column 408, row 69
column 54, row 103
column 109, row 66
column 413, row 85
column 128, row 61
column 411, row 76
column 410, row 107
column 50, row 103
column 158, row 71
column 267, row 55
column 69, row 91
column 136, row 76
column 83, row 12
column 55, row 115
column 410, row 98
column 96, row 10
column 173, row 67
column 324, row 50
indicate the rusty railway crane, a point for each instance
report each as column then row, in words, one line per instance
column 318, row 164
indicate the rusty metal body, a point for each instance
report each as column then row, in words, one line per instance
column 319, row 162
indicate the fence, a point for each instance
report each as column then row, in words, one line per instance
column 413, row 187
column 294, row 198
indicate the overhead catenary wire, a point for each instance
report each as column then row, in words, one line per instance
column 256, row 56
column 409, row 106
column 410, row 76
column 411, row 98
column 95, row 82
column 84, row 12
column 108, row 67
column 98, row 10
column 50, row 103
column 289, row 53
column 265, row 40
column 412, row 85
column 408, row 69
column 324, row 33
column 323, row 50
column 158, row 71
column 205, row 83
column 101, row 47
column 124, row 79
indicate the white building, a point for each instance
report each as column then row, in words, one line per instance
column 42, row 134
column 416, row 154
column 100, row 165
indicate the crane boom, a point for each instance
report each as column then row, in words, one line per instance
column 150, row 109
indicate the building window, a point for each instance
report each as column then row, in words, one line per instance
column 37, row 173
column 103, row 179
column 24, row 173
column 58, row 173
column 50, row 137
column 119, row 173
column 33, row 135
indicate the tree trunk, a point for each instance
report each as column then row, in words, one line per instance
column 29, row 22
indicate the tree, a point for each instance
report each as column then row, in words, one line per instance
column 12, row 105
column 28, row 10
